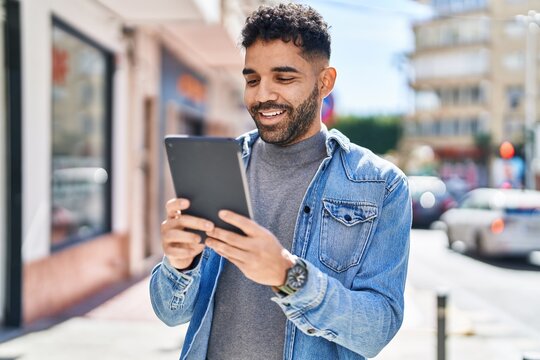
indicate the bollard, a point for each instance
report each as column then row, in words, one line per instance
column 531, row 356
column 442, row 297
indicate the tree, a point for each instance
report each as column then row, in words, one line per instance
column 377, row 133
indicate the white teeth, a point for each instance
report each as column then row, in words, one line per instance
column 273, row 113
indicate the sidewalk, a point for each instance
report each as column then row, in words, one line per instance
column 124, row 327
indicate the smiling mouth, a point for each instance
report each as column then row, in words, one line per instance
column 271, row 114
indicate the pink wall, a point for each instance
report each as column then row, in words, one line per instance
column 54, row 283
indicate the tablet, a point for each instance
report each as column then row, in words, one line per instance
column 209, row 171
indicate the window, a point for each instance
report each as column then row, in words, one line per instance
column 477, row 200
column 477, row 97
column 465, row 127
column 433, row 99
column 455, row 127
column 455, row 96
column 427, row 100
column 465, row 63
column 448, row 127
column 81, row 130
column 514, row 61
column 514, row 96
column 453, row 32
column 515, row 30
column 457, row 6
column 437, row 129
column 474, row 126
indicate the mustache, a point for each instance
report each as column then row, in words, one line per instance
column 267, row 106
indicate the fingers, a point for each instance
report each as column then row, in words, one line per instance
column 229, row 237
column 182, row 257
column 176, row 237
column 230, row 245
column 235, row 255
column 184, row 253
column 186, row 221
column 181, row 247
column 175, row 206
column 248, row 226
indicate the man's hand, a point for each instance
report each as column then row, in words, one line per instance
column 259, row 255
column 180, row 246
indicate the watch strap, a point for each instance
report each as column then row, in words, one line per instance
column 283, row 290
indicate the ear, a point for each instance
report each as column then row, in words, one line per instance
column 327, row 79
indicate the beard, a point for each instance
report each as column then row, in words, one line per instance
column 294, row 126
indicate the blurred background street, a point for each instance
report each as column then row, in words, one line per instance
column 445, row 89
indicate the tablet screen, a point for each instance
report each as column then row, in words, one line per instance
column 209, row 172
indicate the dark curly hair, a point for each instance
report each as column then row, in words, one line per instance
column 298, row 23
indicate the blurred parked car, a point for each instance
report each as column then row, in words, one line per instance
column 495, row 222
column 430, row 198
column 456, row 186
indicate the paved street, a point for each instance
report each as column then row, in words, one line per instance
column 487, row 302
column 481, row 325
column 509, row 288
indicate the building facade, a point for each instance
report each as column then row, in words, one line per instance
column 469, row 74
column 102, row 83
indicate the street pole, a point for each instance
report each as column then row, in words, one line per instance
column 442, row 297
column 531, row 57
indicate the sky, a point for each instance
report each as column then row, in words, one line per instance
column 368, row 39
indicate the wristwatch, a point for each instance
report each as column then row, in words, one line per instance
column 296, row 278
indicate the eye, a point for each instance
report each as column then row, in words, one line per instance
column 285, row 79
column 252, row 82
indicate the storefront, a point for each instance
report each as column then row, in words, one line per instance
column 179, row 86
column 87, row 174
column 74, row 241
column 183, row 102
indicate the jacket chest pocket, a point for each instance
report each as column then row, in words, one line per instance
column 345, row 230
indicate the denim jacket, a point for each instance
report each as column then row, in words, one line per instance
column 352, row 231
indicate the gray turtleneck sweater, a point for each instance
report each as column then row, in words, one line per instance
column 246, row 323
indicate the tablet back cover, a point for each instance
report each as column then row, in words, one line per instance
column 209, row 172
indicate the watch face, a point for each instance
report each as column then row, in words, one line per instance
column 296, row 277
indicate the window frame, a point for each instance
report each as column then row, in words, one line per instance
column 108, row 57
column 12, row 306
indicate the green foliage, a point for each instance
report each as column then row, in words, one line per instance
column 380, row 134
column 483, row 140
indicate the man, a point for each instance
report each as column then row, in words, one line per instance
column 342, row 211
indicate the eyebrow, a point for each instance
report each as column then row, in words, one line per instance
column 248, row 71
column 285, row 69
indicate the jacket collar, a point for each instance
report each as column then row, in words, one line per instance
column 334, row 139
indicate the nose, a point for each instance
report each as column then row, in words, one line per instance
column 265, row 92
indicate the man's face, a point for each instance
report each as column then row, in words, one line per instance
column 282, row 92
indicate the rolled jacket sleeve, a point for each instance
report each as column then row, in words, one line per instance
column 173, row 292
